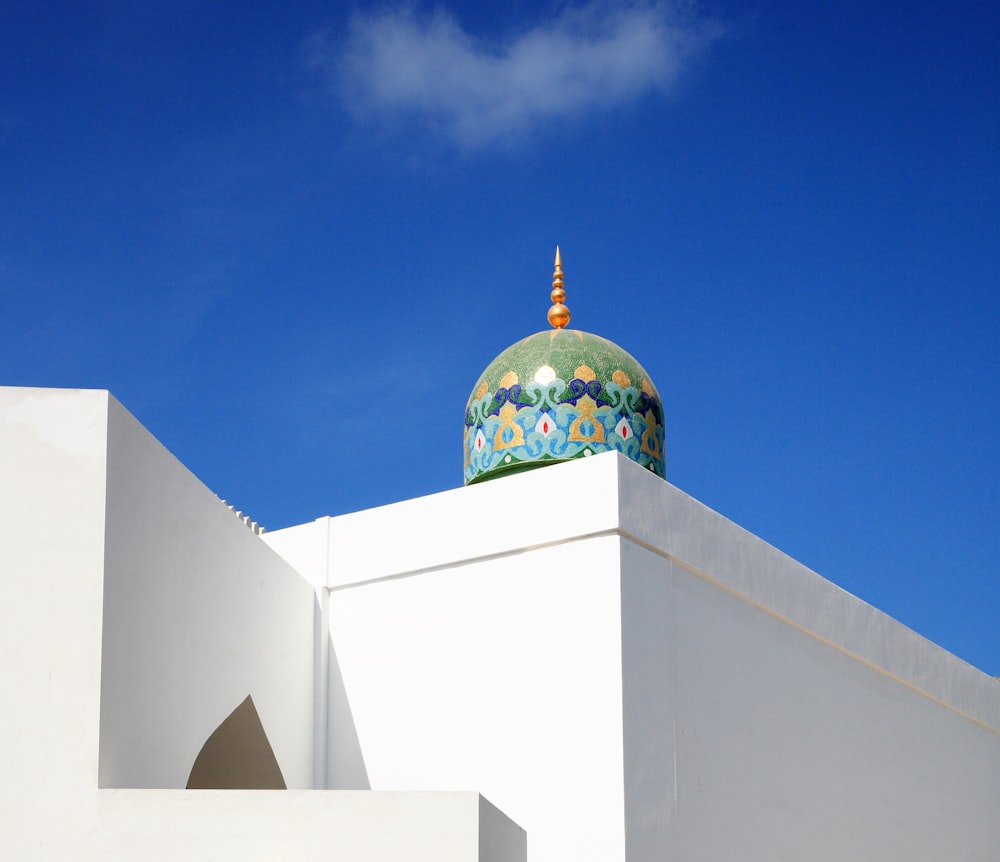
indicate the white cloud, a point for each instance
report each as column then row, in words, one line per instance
column 401, row 63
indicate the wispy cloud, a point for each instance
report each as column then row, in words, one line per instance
column 402, row 63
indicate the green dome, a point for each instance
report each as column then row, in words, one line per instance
column 558, row 395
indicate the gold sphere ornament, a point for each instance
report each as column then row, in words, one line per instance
column 559, row 313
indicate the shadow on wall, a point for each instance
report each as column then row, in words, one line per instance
column 237, row 755
column 346, row 762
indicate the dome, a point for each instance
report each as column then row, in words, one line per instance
column 558, row 395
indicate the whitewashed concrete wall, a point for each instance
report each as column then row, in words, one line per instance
column 304, row 826
column 661, row 517
column 801, row 722
column 66, row 458
column 198, row 614
column 476, row 643
column 504, row 677
column 52, row 467
column 631, row 676
column 135, row 602
column 783, row 747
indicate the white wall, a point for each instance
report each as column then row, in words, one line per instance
column 650, row 700
column 52, row 467
column 304, row 826
column 630, row 675
column 198, row 613
column 664, row 518
column 107, row 538
column 808, row 751
column 504, row 677
column 475, row 644
column 822, row 727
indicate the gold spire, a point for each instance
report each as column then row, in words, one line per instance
column 559, row 313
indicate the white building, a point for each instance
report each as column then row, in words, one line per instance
column 620, row 672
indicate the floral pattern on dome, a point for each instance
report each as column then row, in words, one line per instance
column 559, row 395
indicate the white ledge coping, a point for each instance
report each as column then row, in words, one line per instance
column 610, row 495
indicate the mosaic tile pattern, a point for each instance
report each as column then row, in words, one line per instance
column 557, row 395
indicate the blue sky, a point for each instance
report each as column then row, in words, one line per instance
column 288, row 239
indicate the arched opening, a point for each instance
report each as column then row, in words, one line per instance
column 237, row 755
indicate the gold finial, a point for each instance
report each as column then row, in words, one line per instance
column 559, row 313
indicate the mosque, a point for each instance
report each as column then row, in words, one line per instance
column 579, row 662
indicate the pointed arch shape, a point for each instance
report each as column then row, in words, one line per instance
column 237, row 755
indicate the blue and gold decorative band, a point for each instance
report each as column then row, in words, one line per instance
column 559, row 395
